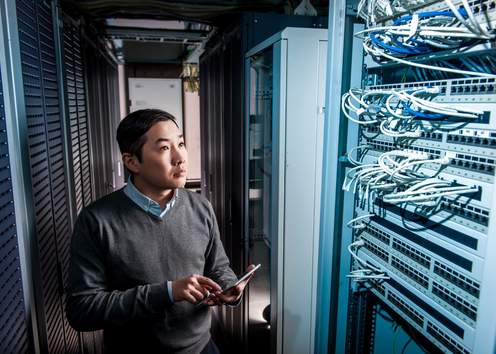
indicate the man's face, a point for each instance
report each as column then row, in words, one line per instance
column 164, row 158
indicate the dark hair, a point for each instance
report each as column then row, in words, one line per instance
column 132, row 129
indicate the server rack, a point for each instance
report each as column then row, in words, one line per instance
column 285, row 105
column 48, row 157
column 436, row 259
column 222, row 109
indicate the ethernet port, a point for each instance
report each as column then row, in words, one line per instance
column 463, row 139
column 456, row 138
column 485, row 141
column 490, row 88
column 475, row 165
column 466, row 164
column 450, row 137
column 470, row 140
column 492, row 142
column 477, row 141
column 482, row 167
column 490, row 169
column 459, row 162
column 482, row 88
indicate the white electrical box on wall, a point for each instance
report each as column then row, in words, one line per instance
column 164, row 94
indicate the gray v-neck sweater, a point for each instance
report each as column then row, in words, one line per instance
column 121, row 259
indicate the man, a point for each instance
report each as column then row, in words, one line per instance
column 147, row 260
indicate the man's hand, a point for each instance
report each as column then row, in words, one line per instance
column 233, row 295
column 193, row 288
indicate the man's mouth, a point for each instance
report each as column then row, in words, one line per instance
column 181, row 173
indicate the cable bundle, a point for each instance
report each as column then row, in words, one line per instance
column 400, row 113
column 397, row 179
column 427, row 32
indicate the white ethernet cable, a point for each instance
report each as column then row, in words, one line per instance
column 360, row 220
column 400, row 164
column 399, row 169
column 349, row 155
column 428, row 193
column 394, row 111
column 369, row 271
column 347, row 105
column 430, row 106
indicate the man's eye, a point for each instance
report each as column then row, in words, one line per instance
column 182, row 144
column 165, row 148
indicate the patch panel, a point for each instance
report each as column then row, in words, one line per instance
column 376, row 250
column 412, row 253
column 454, row 215
column 406, row 309
column 452, row 345
column 471, row 141
column 463, row 307
column 410, row 272
column 420, row 319
column 468, row 212
column 454, row 299
column 474, row 137
column 427, row 305
column 459, row 280
column 451, row 87
column 462, row 164
column 442, row 261
column 407, row 221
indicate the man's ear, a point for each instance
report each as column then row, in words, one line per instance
column 131, row 162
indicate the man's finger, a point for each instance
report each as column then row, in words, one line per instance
column 202, row 289
column 197, row 294
column 190, row 298
column 207, row 281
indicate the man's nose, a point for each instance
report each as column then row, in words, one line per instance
column 178, row 156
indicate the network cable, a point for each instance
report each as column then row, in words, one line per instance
column 401, row 113
column 426, row 32
column 368, row 271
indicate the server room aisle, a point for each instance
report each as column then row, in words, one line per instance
column 70, row 70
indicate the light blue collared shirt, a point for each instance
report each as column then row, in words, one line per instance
column 153, row 208
column 147, row 204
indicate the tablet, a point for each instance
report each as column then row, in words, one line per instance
column 242, row 279
column 226, row 291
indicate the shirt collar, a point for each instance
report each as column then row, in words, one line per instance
column 147, row 204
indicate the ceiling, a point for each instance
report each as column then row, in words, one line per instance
column 161, row 31
column 201, row 11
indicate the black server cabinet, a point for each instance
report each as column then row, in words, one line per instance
column 14, row 331
column 47, row 165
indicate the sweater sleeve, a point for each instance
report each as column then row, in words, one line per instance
column 217, row 264
column 90, row 304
